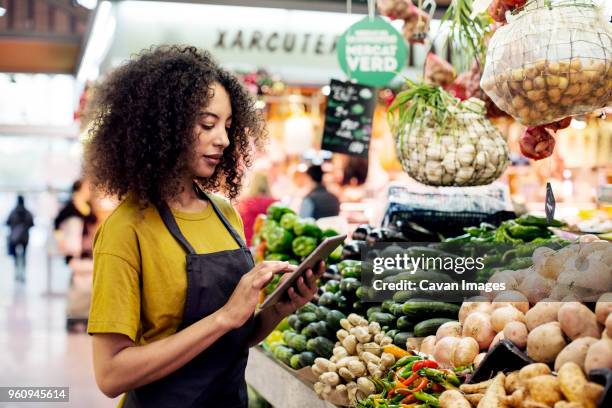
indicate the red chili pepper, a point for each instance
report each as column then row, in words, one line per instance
column 411, row 379
column 421, row 385
column 409, row 399
column 424, row 363
column 437, row 387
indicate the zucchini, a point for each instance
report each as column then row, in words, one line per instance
column 320, row 346
column 401, row 337
column 396, row 310
column 402, row 296
column 321, row 312
column 384, row 319
column 309, row 331
column 322, row 329
column 298, row 342
column 333, row 319
column 307, row 358
column 403, row 323
column 429, row 327
column 308, row 308
column 341, row 301
column 308, row 317
column 373, row 309
column 283, row 353
column 348, row 286
column 328, row 299
column 427, row 310
column 359, row 293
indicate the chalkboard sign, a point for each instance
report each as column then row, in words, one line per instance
column 348, row 118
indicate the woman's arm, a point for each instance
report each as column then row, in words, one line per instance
column 120, row 365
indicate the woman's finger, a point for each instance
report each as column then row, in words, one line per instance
column 262, row 279
column 302, row 287
column 311, row 280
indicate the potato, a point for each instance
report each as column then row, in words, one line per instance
column 572, row 381
column 512, row 298
column 603, row 308
column 517, row 333
column 608, row 329
column 499, row 336
column 443, row 349
column 533, row 370
column 545, row 342
column 478, row 326
column 592, row 393
column 453, row 399
column 541, row 313
column 577, row 321
column 464, row 352
column 599, row 355
column 544, row 389
column 495, row 393
column 513, row 382
column 428, row 345
column 565, row 404
column 575, row 352
column 448, row 329
column 502, row 316
column 476, row 304
column 536, row 288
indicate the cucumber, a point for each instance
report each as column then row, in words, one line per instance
column 309, row 331
column 307, row 358
column 429, row 327
column 323, row 330
column 308, row 317
column 373, row 309
column 348, row 286
column 283, row 354
column 308, row 308
column 384, row 319
column 295, row 362
column 402, row 296
column 386, row 306
column 321, row 312
column 287, row 335
column 320, row 346
column 332, row 286
column 403, row 323
column 294, row 322
column 427, row 310
column 298, row 342
column 400, row 339
column 396, row 310
column 328, row 299
column 333, row 319
column 392, row 333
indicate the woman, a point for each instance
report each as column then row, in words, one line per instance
column 175, row 288
column 256, row 202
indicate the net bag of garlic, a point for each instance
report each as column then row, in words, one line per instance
column 552, row 60
column 442, row 141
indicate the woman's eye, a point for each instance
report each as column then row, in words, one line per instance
column 207, row 127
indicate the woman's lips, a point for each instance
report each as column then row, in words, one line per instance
column 213, row 159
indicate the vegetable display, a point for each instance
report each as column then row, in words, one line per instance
column 551, row 61
column 442, row 141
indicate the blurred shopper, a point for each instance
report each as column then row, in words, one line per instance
column 319, row 203
column 20, row 221
column 74, row 223
column 256, row 202
column 175, row 288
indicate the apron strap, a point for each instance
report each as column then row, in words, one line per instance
column 219, row 213
column 172, row 226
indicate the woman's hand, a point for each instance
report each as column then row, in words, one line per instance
column 241, row 305
column 306, row 289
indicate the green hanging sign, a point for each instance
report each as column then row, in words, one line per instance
column 371, row 52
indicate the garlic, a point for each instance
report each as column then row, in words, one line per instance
column 465, row 154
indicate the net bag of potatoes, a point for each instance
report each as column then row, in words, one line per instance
column 552, row 60
column 457, row 148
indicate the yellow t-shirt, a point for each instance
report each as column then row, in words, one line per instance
column 139, row 278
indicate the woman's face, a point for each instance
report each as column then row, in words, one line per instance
column 212, row 133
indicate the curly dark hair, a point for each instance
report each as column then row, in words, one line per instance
column 143, row 117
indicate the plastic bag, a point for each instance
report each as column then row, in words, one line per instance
column 468, row 151
column 438, row 71
column 550, row 62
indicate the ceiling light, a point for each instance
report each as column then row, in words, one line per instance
column 2, row 11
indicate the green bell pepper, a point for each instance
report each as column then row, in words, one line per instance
column 502, row 235
column 532, row 220
column 527, row 233
column 279, row 240
column 348, row 263
column 288, row 220
column 277, row 257
column 307, row 227
column 277, row 210
column 303, row 246
column 336, row 255
column 329, row 233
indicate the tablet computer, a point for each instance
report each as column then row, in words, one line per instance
column 324, row 249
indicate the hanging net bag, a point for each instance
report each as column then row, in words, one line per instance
column 552, row 60
column 441, row 141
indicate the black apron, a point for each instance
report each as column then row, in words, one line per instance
column 214, row 378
